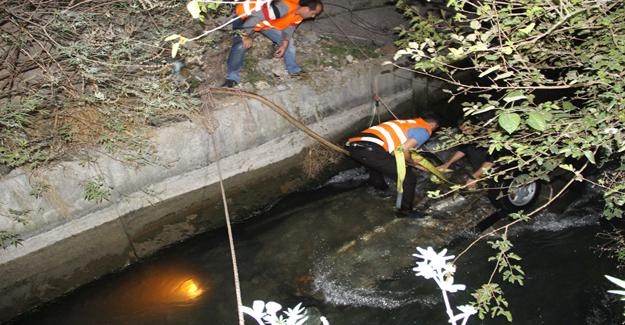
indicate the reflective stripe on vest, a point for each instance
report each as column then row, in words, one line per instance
column 247, row 8
column 392, row 134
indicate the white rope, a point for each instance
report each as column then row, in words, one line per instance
column 235, row 268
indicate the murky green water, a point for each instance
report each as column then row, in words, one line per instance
column 283, row 257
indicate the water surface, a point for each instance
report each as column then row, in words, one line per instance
column 282, row 257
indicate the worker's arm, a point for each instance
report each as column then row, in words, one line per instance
column 406, row 146
column 455, row 157
column 477, row 174
column 416, row 138
column 277, row 9
column 287, row 34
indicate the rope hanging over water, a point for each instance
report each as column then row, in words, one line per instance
column 210, row 128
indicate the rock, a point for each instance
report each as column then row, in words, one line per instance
column 4, row 169
column 260, row 85
column 307, row 38
column 271, row 67
column 314, row 316
column 349, row 58
column 279, row 72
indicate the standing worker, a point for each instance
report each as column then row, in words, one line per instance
column 277, row 21
column 374, row 149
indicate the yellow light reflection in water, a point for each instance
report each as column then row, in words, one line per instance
column 189, row 289
column 158, row 290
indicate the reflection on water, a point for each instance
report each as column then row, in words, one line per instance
column 280, row 258
column 157, row 289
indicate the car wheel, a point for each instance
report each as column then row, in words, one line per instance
column 517, row 193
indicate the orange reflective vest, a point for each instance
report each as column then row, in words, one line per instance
column 248, row 7
column 392, row 134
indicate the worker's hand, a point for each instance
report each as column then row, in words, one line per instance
column 443, row 168
column 247, row 41
column 281, row 50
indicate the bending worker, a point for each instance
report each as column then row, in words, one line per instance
column 478, row 158
column 374, row 149
column 277, row 21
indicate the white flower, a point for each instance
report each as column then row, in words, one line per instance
column 449, row 286
column 296, row 315
column 425, row 270
column 433, row 265
column 272, row 308
column 268, row 314
column 436, row 266
column 257, row 311
column 467, row 309
column 437, row 260
column 466, row 312
column 619, row 283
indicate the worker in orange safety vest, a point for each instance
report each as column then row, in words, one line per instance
column 374, row 148
column 275, row 20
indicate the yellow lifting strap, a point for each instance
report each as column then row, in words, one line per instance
column 400, row 162
column 430, row 167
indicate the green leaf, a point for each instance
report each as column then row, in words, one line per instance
column 456, row 52
column 194, row 9
column 475, row 24
column 568, row 167
column 504, row 75
column 528, row 29
column 174, row 49
column 509, row 121
column 590, row 156
column 537, row 121
column 489, row 70
column 568, row 106
column 171, row 37
column 514, row 96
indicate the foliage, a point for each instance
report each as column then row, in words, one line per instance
column 505, row 260
column 541, row 85
column 15, row 147
column 613, row 245
column 38, row 189
column 96, row 190
column 8, row 238
column 489, row 300
column 77, row 69
column 544, row 80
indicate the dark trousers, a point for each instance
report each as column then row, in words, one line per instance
column 380, row 163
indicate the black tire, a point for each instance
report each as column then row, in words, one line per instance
column 515, row 194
